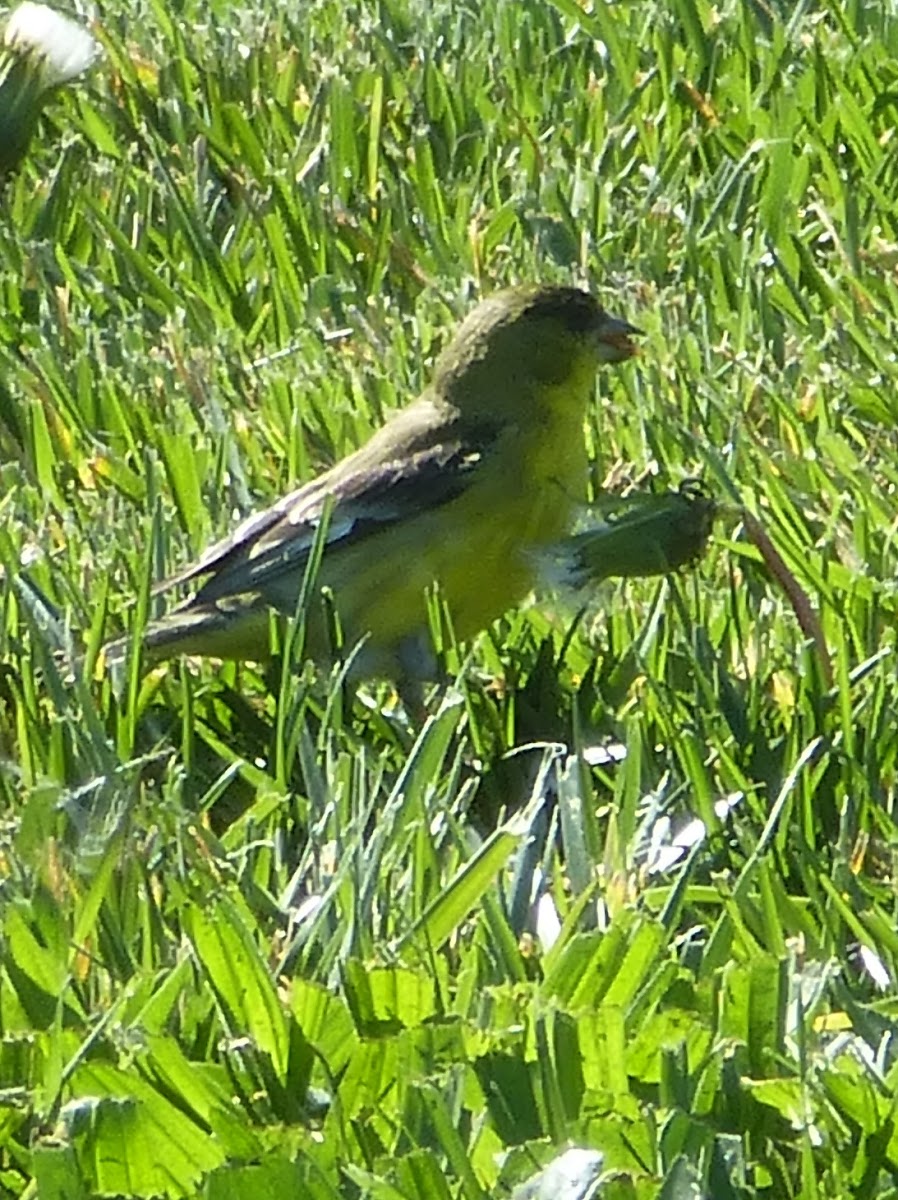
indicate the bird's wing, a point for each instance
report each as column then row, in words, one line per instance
column 366, row 493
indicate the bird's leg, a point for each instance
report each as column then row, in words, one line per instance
column 418, row 663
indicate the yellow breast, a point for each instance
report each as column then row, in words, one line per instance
column 478, row 548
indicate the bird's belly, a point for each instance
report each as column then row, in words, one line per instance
column 380, row 587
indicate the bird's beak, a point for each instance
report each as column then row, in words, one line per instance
column 614, row 337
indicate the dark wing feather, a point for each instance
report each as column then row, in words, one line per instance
column 368, row 502
column 219, row 554
column 369, row 491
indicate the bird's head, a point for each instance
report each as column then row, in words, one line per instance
column 529, row 337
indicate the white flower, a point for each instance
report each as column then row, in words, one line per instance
column 64, row 47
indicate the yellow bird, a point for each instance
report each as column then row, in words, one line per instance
column 461, row 489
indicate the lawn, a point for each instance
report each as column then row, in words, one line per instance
column 630, row 885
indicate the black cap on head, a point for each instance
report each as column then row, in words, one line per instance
column 578, row 310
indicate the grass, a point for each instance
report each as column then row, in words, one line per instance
column 259, row 937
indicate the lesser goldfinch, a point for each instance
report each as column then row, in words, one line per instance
column 458, row 489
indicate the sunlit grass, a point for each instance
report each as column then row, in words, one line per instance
column 262, row 922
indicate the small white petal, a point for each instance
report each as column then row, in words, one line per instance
column 725, row 805
column 307, row 909
column 547, row 923
column 604, row 756
column 665, row 851
column 690, row 834
column 65, row 47
column 665, row 859
column 875, row 967
column 573, row 1174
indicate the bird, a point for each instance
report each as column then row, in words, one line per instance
column 457, row 490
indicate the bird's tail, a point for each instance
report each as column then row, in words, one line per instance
column 222, row 630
